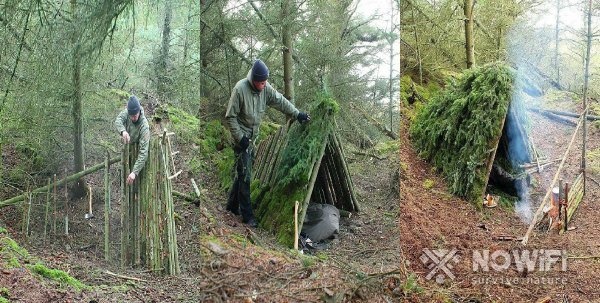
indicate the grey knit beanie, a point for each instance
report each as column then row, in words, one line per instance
column 133, row 105
column 260, row 71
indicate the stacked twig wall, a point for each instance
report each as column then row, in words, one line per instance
column 575, row 196
column 148, row 222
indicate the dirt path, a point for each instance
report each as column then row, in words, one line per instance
column 432, row 219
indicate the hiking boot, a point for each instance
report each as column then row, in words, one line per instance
column 234, row 211
column 252, row 223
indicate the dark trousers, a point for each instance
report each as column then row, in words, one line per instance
column 239, row 195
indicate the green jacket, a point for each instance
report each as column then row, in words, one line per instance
column 247, row 107
column 139, row 132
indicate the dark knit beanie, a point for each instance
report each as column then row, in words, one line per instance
column 133, row 106
column 260, row 72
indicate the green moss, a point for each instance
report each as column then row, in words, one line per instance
column 57, row 275
column 239, row 238
column 8, row 243
column 13, row 263
column 403, row 166
column 120, row 288
column 322, row 256
column 267, row 129
column 184, row 124
column 307, row 261
column 3, row 230
column 593, row 157
column 428, row 184
column 456, row 131
column 410, row 286
column 4, row 293
column 387, row 147
column 4, row 300
column 225, row 163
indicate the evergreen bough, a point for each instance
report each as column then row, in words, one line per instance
column 459, row 129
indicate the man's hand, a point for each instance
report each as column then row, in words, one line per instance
column 303, row 117
column 130, row 178
column 244, row 143
column 125, row 137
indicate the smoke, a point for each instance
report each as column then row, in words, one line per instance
column 523, row 206
column 517, row 136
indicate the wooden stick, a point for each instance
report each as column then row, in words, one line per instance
column 196, row 189
column 28, row 215
column 549, row 191
column 107, row 207
column 15, row 200
column 296, row 225
column 66, row 209
column 54, row 213
column 583, row 257
column 537, row 161
column 566, row 205
column 47, row 210
column 125, row 277
column 175, row 175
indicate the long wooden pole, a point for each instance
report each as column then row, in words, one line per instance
column 107, row 207
column 544, row 201
column 54, row 206
column 67, row 210
column 47, row 210
column 585, row 90
column 296, row 225
column 28, row 214
column 19, row 198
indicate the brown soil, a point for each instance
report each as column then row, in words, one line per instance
column 431, row 218
column 222, row 260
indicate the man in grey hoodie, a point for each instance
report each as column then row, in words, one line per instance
column 247, row 105
column 133, row 128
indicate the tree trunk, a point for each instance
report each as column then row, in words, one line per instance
column 162, row 77
column 556, row 37
column 585, row 88
column 417, row 49
column 469, row 43
column 286, row 36
column 78, row 189
column 392, row 39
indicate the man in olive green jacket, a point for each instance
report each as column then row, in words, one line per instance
column 133, row 128
column 247, row 105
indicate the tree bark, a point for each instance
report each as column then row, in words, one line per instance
column 286, row 37
column 556, row 37
column 585, row 89
column 78, row 189
column 163, row 64
column 469, row 43
column 392, row 38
